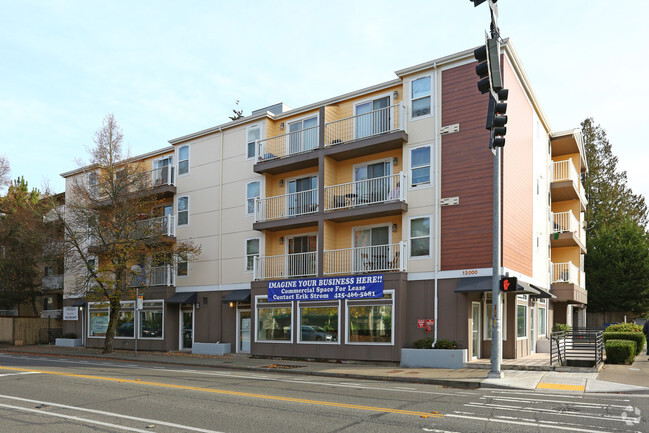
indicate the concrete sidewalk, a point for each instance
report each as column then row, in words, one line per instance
column 612, row 379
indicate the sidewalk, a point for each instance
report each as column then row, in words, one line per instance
column 612, row 379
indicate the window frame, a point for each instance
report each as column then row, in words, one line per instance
column 178, row 211
column 181, row 160
column 256, row 150
column 370, row 302
column 526, row 307
column 139, row 327
column 246, row 254
column 430, row 237
column 542, row 305
column 248, row 214
column 317, row 304
column 104, row 307
column 422, row 185
column 274, row 305
column 412, row 99
column 179, row 260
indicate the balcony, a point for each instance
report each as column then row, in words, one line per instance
column 288, row 152
column 566, row 184
column 382, row 129
column 52, row 282
column 366, row 198
column 376, row 258
column 160, row 182
column 568, row 283
column 156, row 276
column 286, row 211
column 299, row 265
column 155, row 227
column 566, row 231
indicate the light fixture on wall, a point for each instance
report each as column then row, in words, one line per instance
column 281, row 240
column 395, row 94
column 198, row 305
column 231, row 304
column 281, row 125
column 395, row 160
column 394, row 227
column 281, row 182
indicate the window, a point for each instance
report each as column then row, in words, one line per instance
column 181, row 264
column 183, row 160
column 98, row 322
column 420, row 96
column 252, row 251
column 319, row 323
column 254, row 134
column 183, row 211
column 93, row 184
column 99, row 316
column 273, row 321
column 370, row 321
column 125, row 322
column 151, row 319
column 487, row 317
column 521, row 321
column 543, row 319
column 252, row 191
column 420, row 237
column 420, row 166
column 303, row 135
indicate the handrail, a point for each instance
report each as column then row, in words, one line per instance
column 359, row 126
column 291, row 143
column 366, row 191
column 286, row 205
column 375, row 258
column 285, row 266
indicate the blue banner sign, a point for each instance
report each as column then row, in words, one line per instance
column 326, row 289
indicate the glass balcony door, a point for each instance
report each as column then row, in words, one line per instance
column 303, row 135
column 299, row 200
column 371, row 248
column 372, row 183
column 371, row 119
column 300, row 262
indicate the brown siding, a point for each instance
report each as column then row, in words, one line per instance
column 518, row 182
column 467, row 172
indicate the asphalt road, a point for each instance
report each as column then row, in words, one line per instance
column 45, row 394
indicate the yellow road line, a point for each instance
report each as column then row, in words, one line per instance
column 236, row 393
column 561, row 387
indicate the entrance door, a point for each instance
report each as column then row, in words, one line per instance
column 303, row 195
column 532, row 329
column 371, row 249
column 373, row 117
column 300, row 262
column 186, row 326
column 475, row 330
column 244, row 331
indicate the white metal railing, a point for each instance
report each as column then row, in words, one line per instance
column 287, row 205
column 163, row 225
column 285, row 266
column 292, row 143
column 564, row 222
column 565, row 273
column 367, row 191
column 582, row 232
column 163, row 176
column 365, row 125
column 376, row 258
column 564, row 170
column 140, row 181
column 52, row 282
column 162, row 276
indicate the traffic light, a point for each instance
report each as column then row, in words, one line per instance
column 488, row 68
column 509, row 284
column 478, row 2
column 497, row 118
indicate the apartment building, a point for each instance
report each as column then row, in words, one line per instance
column 351, row 227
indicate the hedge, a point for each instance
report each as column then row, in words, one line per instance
column 620, row 351
column 637, row 337
column 624, row 327
column 426, row 343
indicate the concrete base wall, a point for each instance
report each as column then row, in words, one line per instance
column 69, row 342
column 211, row 348
column 433, row 358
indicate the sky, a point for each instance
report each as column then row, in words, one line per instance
column 166, row 69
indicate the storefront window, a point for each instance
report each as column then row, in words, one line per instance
column 488, row 323
column 125, row 322
column 370, row 323
column 542, row 319
column 151, row 320
column 521, row 321
column 319, row 324
column 98, row 323
column 274, row 324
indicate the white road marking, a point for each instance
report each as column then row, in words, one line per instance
column 549, row 411
column 98, row 412
column 531, row 424
column 540, row 400
column 16, row 374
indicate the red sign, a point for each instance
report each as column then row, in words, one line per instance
column 420, row 323
column 430, row 322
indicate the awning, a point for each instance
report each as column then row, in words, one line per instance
column 543, row 293
column 475, row 284
column 237, row 296
column 183, row 298
column 78, row 303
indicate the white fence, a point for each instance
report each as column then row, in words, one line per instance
column 285, row 266
column 366, row 125
column 156, row 276
column 292, row 143
column 376, row 258
column 287, row 205
column 364, row 192
column 564, row 222
column 565, row 273
column 564, row 170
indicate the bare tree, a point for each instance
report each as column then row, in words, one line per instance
column 113, row 242
column 4, row 171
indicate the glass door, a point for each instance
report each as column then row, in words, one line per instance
column 186, row 326
column 303, row 195
column 300, row 263
column 475, row 329
column 532, row 329
column 303, row 135
column 371, row 249
column 245, row 324
column 373, row 117
column 161, row 174
column 371, row 182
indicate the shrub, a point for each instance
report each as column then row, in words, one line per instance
column 637, row 337
column 624, row 327
column 620, row 351
column 426, row 343
column 560, row 327
column 69, row 335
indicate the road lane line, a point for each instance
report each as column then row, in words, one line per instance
column 237, row 393
column 530, row 424
column 74, row 418
column 16, row 374
column 116, row 415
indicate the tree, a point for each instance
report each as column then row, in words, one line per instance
column 616, row 220
column 25, row 235
column 112, row 241
column 238, row 114
column 4, row 171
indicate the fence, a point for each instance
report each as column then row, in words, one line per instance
column 581, row 347
column 29, row 330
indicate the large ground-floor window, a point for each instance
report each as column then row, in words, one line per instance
column 521, row 316
column 273, row 320
column 370, row 320
column 97, row 320
column 151, row 319
column 125, row 321
column 150, row 322
column 319, row 322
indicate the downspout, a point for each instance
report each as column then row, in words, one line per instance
column 438, row 187
column 221, row 232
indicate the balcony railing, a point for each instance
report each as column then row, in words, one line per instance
column 285, row 266
column 158, row 177
column 289, row 144
column 376, row 258
column 367, row 191
column 366, row 125
column 285, row 206
column 156, row 276
column 564, row 222
column 565, row 273
column 160, row 226
column 52, row 282
column 564, row 170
